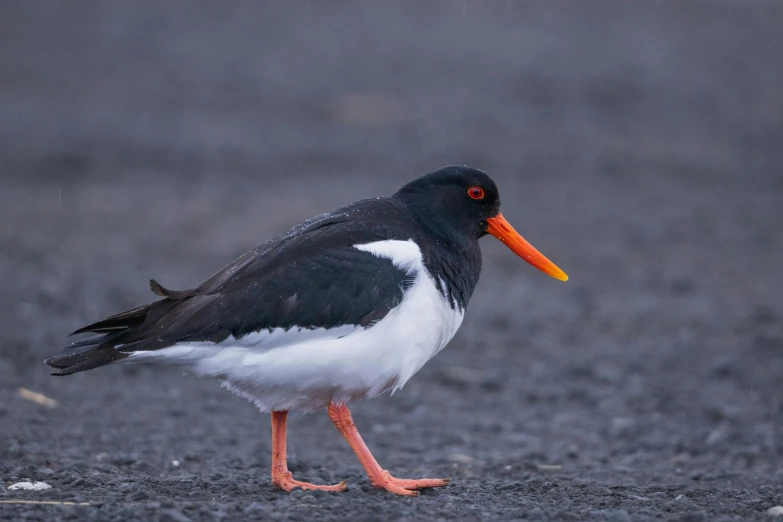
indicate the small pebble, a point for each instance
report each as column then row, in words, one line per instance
column 255, row 507
column 715, row 437
column 776, row 511
column 173, row 515
column 30, row 486
column 462, row 459
column 307, row 497
column 621, row 426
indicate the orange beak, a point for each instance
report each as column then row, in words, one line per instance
column 501, row 229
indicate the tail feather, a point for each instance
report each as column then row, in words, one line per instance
column 160, row 290
column 84, row 359
column 97, row 350
column 118, row 335
column 117, row 322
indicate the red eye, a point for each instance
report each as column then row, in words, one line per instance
column 476, row 192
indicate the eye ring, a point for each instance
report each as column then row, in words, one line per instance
column 476, row 192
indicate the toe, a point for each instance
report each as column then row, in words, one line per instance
column 337, row 487
column 407, row 487
column 398, row 490
column 412, row 484
column 287, row 483
column 421, row 483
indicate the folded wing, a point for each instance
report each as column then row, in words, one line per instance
column 294, row 281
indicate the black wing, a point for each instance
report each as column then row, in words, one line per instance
column 311, row 277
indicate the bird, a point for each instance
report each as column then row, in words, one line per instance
column 348, row 305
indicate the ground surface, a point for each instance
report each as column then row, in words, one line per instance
column 636, row 144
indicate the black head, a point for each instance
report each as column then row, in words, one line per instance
column 461, row 204
column 454, row 200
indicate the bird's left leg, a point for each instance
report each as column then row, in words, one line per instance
column 281, row 477
column 379, row 477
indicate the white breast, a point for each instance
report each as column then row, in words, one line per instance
column 305, row 369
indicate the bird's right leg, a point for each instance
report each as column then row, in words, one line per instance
column 379, row 477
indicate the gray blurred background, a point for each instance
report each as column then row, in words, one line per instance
column 637, row 144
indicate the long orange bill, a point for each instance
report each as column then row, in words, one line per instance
column 501, row 229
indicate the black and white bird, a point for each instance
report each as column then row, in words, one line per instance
column 348, row 305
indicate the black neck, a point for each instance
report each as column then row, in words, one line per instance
column 452, row 257
column 456, row 273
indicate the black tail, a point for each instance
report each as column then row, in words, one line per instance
column 85, row 357
column 98, row 350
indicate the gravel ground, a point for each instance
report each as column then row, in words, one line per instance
column 637, row 144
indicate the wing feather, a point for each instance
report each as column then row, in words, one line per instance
column 310, row 277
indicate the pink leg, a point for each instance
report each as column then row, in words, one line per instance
column 281, row 477
column 379, row 477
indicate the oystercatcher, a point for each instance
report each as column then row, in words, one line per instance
column 347, row 305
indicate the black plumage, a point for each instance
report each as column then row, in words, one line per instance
column 310, row 277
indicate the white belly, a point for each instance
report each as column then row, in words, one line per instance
column 306, row 369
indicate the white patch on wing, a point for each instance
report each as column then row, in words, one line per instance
column 405, row 255
column 306, row 368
